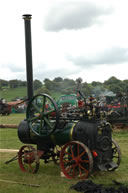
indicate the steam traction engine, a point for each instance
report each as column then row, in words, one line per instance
column 76, row 138
column 78, row 141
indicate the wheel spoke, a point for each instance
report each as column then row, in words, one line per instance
column 30, row 167
column 36, row 107
column 33, row 119
column 74, row 166
column 78, row 150
column 68, row 153
column 41, row 126
column 49, row 112
column 44, row 101
column 71, row 151
column 82, row 153
column 80, row 170
column 67, row 161
column 85, row 170
column 68, row 169
column 85, row 161
column 48, row 123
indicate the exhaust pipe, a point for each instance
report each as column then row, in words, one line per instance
column 28, row 45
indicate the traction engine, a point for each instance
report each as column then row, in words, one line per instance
column 71, row 138
column 76, row 138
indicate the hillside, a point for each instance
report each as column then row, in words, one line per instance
column 10, row 90
column 13, row 93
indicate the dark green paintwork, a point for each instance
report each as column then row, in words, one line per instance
column 59, row 137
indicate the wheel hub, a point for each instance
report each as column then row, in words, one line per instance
column 77, row 160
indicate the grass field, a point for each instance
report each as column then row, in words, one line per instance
column 14, row 93
column 11, row 94
column 48, row 176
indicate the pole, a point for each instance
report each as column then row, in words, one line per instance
column 28, row 45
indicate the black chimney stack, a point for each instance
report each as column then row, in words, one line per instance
column 28, row 45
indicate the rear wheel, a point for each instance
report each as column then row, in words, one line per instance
column 76, row 160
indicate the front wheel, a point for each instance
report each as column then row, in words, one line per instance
column 28, row 159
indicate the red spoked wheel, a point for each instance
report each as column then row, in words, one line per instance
column 28, row 159
column 76, row 160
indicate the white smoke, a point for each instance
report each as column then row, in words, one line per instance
column 101, row 91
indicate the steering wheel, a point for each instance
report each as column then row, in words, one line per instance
column 42, row 115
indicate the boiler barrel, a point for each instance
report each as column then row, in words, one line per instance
column 93, row 134
column 59, row 137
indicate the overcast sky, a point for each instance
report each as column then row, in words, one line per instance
column 70, row 39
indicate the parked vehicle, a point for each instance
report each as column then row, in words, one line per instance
column 80, row 142
column 5, row 109
column 67, row 100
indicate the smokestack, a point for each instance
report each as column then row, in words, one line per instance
column 28, row 45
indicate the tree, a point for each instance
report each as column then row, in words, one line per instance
column 94, row 83
column 125, row 86
column 42, row 90
column 86, row 89
column 24, row 83
column 48, row 84
column 46, row 80
column 3, row 83
column 58, row 79
column 37, row 84
column 56, row 86
column 115, row 88
column 14, row 83
column 112, row 80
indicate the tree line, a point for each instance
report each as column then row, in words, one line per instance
column 67, row 86
column 18, row 83
column 109, row 87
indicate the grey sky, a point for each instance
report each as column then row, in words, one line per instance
column 70, row 38
column 110, row 56
column 74, row 15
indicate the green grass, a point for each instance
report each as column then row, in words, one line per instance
column 12, row 118
column 8, row 137
column 48, row 176
column 11, row 94
column 14, row 93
